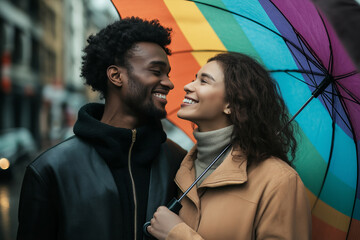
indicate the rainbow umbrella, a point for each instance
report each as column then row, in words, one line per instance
column 315, row 75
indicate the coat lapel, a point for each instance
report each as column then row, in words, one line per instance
column 186, row 176
column 231, row 171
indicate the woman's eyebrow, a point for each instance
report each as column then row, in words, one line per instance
column 207, row 76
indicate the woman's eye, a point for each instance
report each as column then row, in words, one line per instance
column 203, row 81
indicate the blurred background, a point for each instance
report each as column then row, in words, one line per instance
column 40, row 87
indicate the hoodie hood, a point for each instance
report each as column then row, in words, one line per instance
column 113, row 143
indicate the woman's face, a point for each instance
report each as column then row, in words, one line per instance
column 204, row 102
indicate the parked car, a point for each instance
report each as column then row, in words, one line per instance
column 15, row 144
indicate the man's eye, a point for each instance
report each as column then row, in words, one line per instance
column 203, row 81
column 156, row 72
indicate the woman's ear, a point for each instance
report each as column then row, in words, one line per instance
column 227, row 109
column 114, row 75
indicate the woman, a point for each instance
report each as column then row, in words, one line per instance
column 252, row 192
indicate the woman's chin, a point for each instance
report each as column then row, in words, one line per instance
column 183, row 115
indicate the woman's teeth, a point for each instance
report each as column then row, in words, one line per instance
column 189, row 101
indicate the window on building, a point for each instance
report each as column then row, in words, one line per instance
column 35, row 57
column 33, row 9
column 18, row 52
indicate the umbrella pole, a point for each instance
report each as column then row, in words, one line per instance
column 205, row 171
column 303, row 106
column 320, row 89
column 174, row 205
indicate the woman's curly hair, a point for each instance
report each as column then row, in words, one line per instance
column 258, row 112
column 110, row 46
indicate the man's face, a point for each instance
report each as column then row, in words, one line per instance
column 148, row 80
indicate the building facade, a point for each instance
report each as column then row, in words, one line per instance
column 20, row 63
column 41, row 44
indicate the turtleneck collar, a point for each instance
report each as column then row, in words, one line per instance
column 211, row 143
column 209, row 146
column 113, row 143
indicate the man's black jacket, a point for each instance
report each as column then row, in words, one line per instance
column 76, row 191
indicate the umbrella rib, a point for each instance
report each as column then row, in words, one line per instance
column 262, row 25
column 331, row 59
column 356, row 192
column 350, row 74
column 313, row 53
column 300, row 80
column 330, row 101
column 297, row 71
column 303, row 81
column 297, row 60
column 342, row 96
column 357, row 154
column 308, row 62
column 309, row 48
column 354, row 99
column 329, row 160
column 199, row 50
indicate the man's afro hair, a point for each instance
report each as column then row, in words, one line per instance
column 110, row 46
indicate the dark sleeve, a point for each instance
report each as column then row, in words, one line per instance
column 37, row 210
column 177, row 152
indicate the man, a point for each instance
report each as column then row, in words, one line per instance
column 107, row 180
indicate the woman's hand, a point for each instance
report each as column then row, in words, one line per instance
column 162, row 222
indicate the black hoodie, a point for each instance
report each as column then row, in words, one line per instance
column 113, row 145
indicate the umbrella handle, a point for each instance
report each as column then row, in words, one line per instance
column 174, row 205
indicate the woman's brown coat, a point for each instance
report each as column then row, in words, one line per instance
column 264, row 201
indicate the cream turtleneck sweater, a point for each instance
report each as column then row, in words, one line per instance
column 209, row 146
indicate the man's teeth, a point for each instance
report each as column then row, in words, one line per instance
column 159, row 95
column 189, row 101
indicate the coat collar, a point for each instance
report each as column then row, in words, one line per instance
column 231, row 171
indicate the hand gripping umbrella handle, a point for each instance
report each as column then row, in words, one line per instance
column 174, row 205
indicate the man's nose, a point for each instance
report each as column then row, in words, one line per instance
column 167, row 82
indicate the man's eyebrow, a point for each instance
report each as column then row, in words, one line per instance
column 162, row 63
column 207, row 76
column 158, row 63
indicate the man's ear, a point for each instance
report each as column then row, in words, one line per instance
column 227, row 109
column 114, row 75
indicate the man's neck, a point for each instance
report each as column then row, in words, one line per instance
column 115, row 116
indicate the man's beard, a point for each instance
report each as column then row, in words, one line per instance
column 138, row 100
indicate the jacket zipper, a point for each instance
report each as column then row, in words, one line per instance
column 132, row 181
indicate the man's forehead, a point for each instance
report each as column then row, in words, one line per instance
column 147, row 49
column 149, row 53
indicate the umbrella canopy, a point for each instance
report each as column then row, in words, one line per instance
column 294, row 41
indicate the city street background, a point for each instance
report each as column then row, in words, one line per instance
column 41, row 91
column 40, row 85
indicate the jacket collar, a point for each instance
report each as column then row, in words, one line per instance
column 231, row 171
column 113, row 143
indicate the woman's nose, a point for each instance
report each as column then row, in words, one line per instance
column 189, row 87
